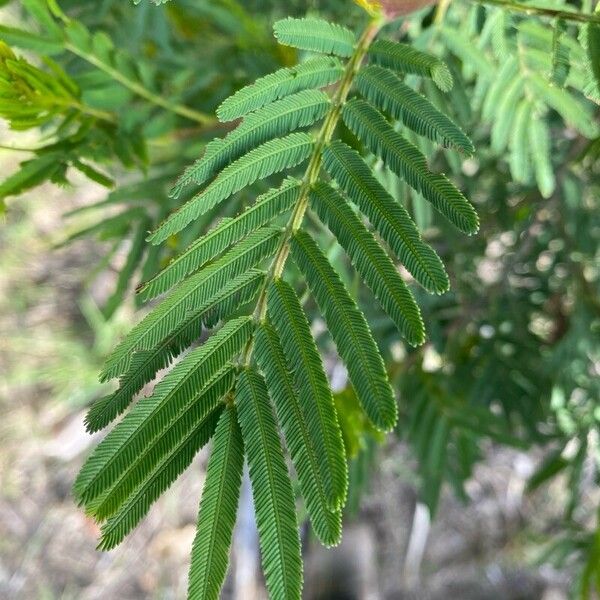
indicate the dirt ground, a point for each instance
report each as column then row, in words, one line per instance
column 51, row 345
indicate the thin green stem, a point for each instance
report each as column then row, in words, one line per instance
column 19, row 148
column 541, row 11
column 140, row 90
column 313, row 170
column 88, row 110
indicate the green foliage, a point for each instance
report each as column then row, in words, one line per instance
column 294, row 418
column 384, row 90
column 271, row 489
column 408, row 163
column 311, row 384
column 392, row 222
column 214, row 278
column 371, row 262
column 406, row 59
column 350, row 331
column 315, row 35
column 218, row 508
column 278, row 118
column 272, row 157
column 224, row 235
column 232, row 299
column 520, row 61
column 314, row 73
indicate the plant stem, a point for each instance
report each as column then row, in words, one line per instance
column 541, row 11
column 311, row 174
column 88, row 110
column 19, row 148
column 143, row 92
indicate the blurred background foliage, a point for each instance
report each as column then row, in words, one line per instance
column 124, row 96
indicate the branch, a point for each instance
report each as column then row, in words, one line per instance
column 543, row 12
column 140, row 90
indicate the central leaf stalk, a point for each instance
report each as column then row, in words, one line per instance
column 313, row 169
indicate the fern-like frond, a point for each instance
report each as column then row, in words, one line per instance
column 146, row 363
column 463, row 46
column 406, row 59
column 385, row 91
column 272, row 157
column 575, row 113
column 349, row 330
column 388, row 216
column 294, row 420
column 540, row 144
column 371, row 262
column 169, row 455
column 315, row 73
column 315, row 35
column 141, row 476
column 227, row 232
column 407, row 162
column 271, row 489
column 191, row 295
column 302, row 355
column 147, row 419
column 276, row 119
column 218, row 509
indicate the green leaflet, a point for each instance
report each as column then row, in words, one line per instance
column 147, row 419
column 218, row 509
column 406, row 59
column 139, row 472
column 371, row 262
column 507, row 73
column 313, row 388
column 520, row 161
column 539, row 142
column 191, row 295
column 146, row 363
column 560, row 55
column 315, row 73
column 315, row 35
column 408, row 163
column 504, row 114
column 272, row 157
column 388, row 93
column 590, row 38
column 294, row 421
column 276, row 119
column 271, row 489
column 350, row 331
column 157, row 481
column 388, row 216
column 227, row 232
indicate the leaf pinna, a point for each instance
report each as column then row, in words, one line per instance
column 254, row 367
